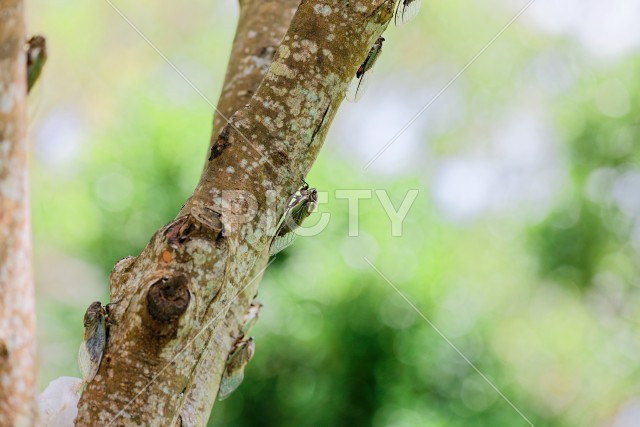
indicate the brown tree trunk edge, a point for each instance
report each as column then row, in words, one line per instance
column 17, row 308
column 181, row 301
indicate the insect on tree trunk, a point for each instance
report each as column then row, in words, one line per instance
column 181, row 302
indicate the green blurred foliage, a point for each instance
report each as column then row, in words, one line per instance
column 521, row 250
column 575, row 239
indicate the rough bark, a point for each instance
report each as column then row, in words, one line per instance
column 261, row 27
column 181, row 301
column 17, row 308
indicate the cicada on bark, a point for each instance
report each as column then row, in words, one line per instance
column 299, row 207
column 406, row 11
column 360, row 82
column 234, row 370
column 36, row 57
column 94, row 340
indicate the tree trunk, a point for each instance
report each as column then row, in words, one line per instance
column 17, row 308
column 180, row 303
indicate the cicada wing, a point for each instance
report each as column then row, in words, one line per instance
column 88, row 362
column 358, row 87
column 34, row 103
column 285, row 234
column 230, row 383
column 297, row 216
column 277, row 243
column 234, row 371
column 280, row 242
column 352, row 90
column 91, row 349
column 292, row 218
column 406, row 11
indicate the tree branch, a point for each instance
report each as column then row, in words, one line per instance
column 17, row 307
column 174, row 316
column 261, row 27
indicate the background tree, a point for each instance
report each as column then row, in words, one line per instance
column 17, row 305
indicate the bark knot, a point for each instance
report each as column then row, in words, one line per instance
column 168, row 299
column 201, row 221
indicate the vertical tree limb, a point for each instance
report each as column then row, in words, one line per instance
column 17, row 308
column 261, row 27
column 173, row 314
